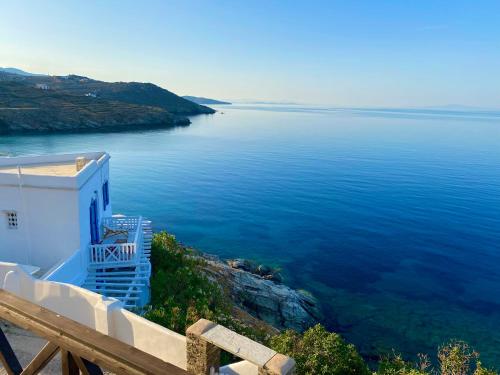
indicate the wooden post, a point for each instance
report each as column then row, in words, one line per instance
column 7, row 356
column 203, row 358
column 68, row 364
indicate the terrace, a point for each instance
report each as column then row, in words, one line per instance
column 121, row 244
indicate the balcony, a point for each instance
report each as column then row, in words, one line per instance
column 121, row 244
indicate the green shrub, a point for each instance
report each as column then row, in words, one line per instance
column 395, row 365
column 480, row 370
column 319, row 352
column 454, row 358
column 458, row 358
column 180, row 293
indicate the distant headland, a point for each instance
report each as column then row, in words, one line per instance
column 202, row 100
column 37, row 103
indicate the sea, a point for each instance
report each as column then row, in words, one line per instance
column 389, row 217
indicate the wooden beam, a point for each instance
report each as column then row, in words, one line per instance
column 7, row 356
column 105, row 351
column 42, row 359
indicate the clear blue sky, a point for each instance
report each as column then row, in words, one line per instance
column 342, row 53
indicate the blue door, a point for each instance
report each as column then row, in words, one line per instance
column 94, row 222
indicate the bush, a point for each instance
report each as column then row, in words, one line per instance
column 454, row 358
column 180, row 293
column 396, row 365
column 320, row 352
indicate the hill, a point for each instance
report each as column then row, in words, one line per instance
column 57, row 103
column 18, row 71
column 202, row 100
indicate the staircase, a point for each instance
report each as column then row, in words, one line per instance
column 126, row 282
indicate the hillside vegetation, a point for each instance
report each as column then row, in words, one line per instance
column 73, row 103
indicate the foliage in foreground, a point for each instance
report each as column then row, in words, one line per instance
column 454, row 358
column 320, row 352
column 181, row 294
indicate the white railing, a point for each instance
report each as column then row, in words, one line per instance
column 129, row 252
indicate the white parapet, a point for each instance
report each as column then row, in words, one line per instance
column 103, row 314
column 108, row 316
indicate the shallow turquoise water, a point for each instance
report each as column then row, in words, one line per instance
column 391, row 218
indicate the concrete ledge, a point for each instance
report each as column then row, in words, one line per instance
column 200, row 327
column 278, row 365
column 238, row 345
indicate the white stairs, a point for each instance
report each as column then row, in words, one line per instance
column 127, row 283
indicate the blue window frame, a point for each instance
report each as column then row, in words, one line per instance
column 94, row 222
column 105, row 194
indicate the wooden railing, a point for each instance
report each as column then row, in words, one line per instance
column 82, row 348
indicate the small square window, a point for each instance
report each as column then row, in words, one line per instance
column 11, row 219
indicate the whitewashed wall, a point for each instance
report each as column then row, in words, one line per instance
column 53, row 211
column 72, row 270
column 47, row 231
column 92, row 181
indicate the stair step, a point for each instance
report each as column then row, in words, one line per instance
column 93, row 284
column 131, row 298
column 109, row 278
column 119, row 273
column 118, row 291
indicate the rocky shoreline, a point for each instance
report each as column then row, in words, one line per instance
column 258, row 290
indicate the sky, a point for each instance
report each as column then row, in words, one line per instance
column 336, row 53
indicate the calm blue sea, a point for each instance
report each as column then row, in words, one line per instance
column 390, row 217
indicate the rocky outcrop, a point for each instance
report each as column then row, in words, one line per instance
column 265, row 299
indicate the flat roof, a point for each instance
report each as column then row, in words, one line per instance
column 66, row 169
column 47, row 165
column 51, row 171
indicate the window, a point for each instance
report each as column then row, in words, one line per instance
column 105, row 194
column 11, row 219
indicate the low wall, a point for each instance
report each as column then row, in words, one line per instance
column 103, row 314
column 72, row 270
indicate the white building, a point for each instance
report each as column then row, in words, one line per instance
column 56, row 217
column 58, row 235
column 42, row 86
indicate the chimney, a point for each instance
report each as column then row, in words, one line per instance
column 80, row 163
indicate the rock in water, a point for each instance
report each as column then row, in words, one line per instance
column 276, row 304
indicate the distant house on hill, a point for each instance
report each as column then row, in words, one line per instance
column 42, row 86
